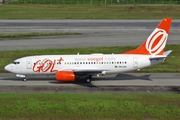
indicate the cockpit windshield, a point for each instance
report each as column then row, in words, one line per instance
column 16, row 63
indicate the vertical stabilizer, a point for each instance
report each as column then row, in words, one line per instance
column 156, row 42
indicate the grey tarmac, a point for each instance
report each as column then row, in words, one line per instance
column 94, row 33
column 110, row 84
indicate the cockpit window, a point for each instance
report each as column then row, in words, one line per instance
column 16, row 63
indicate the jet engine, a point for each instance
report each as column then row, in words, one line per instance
column 66, row 76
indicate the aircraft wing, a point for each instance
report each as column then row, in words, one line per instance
column 87, row 71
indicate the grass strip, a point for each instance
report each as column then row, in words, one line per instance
column 33, row 34
column 98, row 2
column 90, row 106
column 170, row 65
column 43, row 11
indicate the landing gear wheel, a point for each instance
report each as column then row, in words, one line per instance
column 25, row 79
column 88, row 79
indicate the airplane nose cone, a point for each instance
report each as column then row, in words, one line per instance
column 7, row 67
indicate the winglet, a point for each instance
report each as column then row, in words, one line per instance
column 156, row 42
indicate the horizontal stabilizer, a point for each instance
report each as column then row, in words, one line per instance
column 167, row 52
column 160, row 57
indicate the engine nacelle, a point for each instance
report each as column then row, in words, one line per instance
column 66, row 76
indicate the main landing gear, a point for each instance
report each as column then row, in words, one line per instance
column 88, row 79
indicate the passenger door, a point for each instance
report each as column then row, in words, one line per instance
column 28, row 63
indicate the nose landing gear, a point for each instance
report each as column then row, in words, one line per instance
column 22, row 76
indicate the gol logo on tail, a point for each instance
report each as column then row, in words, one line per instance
column 156, row 41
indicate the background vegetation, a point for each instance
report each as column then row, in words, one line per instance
column 15, row 35
column 89, row 106
column 96, row 2
column 45, row 11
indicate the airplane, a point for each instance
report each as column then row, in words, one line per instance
column 69, row 68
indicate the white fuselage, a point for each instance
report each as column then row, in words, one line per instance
column 107, row 63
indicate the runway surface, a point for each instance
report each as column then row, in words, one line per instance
column 141, row 83
column 130, row 79
column 94, row 33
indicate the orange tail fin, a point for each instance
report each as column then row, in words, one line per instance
column 156, row 42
